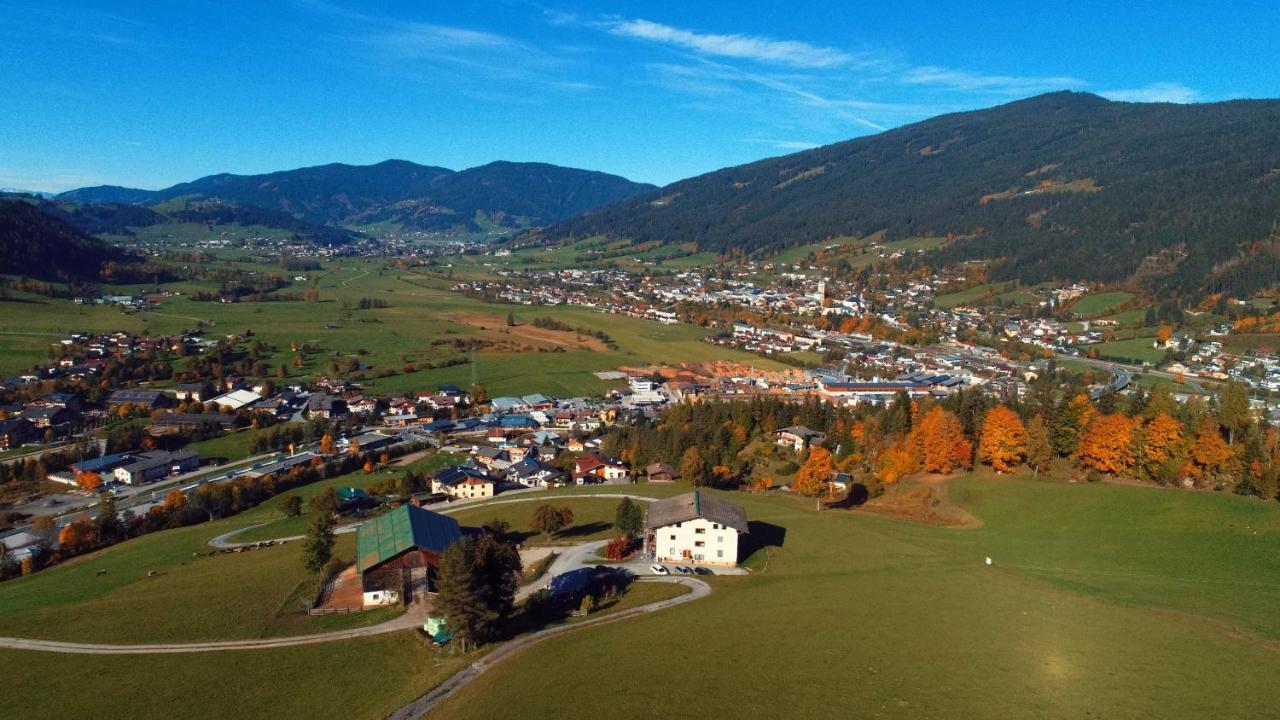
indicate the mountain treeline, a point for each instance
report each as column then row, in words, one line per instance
column 1060, row 186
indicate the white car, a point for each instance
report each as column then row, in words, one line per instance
column 658, row 569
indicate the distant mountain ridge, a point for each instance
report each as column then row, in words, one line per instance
column 1060, row 186
column 38, row 245
column 397, row 191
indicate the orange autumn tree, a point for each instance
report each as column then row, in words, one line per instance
column 1162, row 447
column 1003, row 441
column 1164, row 333
column 1210, row 454
column 326, row 444
column 941, row 443
column 811, row 478
column 88, row 480
column 77, row 537
column 1106, row 444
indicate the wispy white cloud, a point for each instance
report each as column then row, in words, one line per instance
column 432, row 52
column 744, row 47
column 1160, row 92
column 971, row 81
column 784, row 144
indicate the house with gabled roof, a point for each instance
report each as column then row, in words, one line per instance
column 397, row 554
column 696, row 528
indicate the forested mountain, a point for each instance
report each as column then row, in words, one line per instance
column 416, row 196
column 1065, row 185
column 37, row 245
column 124, row 219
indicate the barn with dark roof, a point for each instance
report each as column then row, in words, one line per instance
column 397, row 553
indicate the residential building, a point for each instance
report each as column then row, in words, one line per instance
column 695, row 528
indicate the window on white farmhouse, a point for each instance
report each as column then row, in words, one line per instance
column 719, row 553
column 699, row 544
column 700, row 531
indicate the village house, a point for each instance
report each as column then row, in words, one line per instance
column 596, row 468
column 696, row 528
column 462, row 482
column 401, row 551
column 660, row 473
column 16, row 432
column 798, row 437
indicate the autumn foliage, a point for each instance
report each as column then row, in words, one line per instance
column 941, row 443
column 1106, row 444
column 1003, row 441
column 811, row 478
column 88, row 480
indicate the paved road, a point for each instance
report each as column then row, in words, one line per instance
column 223, row 541
column 416, row 709
column 403, row 622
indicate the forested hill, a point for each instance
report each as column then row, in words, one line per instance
column 398, row 191
column 1065, row 185
column 37, row 245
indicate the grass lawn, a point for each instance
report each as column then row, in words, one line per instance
column 1099, row 598
column 1099, row 303
column 309, row 681
column 231, row 446
column 969, row 295
column 191, row 599
column 1134, row 349
column 592, row 519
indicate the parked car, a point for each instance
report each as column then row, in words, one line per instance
column 683, row 570
column 703, row 571
column 658, row 569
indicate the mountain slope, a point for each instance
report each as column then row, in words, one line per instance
column 1065, row 185
column 398, row 191
column 37, row 245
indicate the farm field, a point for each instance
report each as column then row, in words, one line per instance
column 423, row 326
column 1094, row 590
column 1100, row 303
column 1133, row 349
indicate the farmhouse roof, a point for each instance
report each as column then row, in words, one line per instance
column 694, row 505
column 402, row 529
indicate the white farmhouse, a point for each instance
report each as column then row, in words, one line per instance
column 696, row 528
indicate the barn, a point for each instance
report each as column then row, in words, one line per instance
column 397, row 553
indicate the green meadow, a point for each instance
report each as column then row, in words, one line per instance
column 422, row 326
column 1100, row 601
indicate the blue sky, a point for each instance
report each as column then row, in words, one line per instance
column 148, row 94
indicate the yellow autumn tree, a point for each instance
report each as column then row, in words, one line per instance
column 811, row 478
column 1162, row 446
column 1003, row 444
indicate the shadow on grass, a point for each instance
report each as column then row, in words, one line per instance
column 761, row 535
column 605, row 585
column 583, row 530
